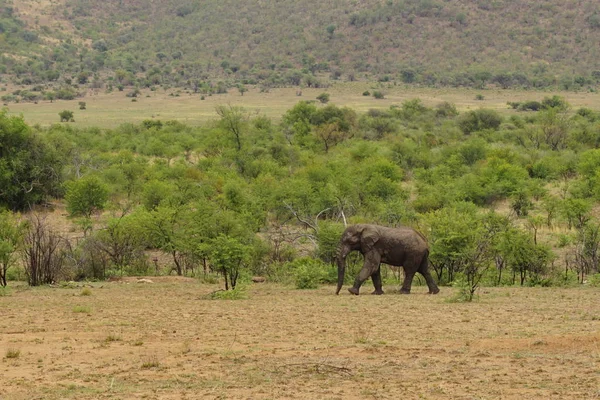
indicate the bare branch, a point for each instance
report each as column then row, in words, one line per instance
column 299, row 218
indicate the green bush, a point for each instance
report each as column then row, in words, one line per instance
column 378, row 94
column 594, row 280
column 473, row 121
column 463, row 293
column 239, row 293
column 323, row 98
column 309, row 273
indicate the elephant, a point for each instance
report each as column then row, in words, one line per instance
column 401, row 247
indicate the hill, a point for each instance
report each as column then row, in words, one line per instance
column 194, row 43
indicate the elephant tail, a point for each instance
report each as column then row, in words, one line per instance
column 424, row 266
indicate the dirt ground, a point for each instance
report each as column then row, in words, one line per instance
column 167, row 340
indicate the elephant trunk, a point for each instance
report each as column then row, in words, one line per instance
column 342, row 253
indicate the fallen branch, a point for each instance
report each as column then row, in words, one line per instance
column 323, row 368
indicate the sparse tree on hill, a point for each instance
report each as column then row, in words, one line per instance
column 330, row 31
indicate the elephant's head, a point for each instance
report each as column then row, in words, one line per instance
column 355, row 237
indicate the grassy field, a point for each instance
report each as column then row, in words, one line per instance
column 166, row 340
column 111, row 110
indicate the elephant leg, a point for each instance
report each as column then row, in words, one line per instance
column 376, row 277
column 371, row 265
column 409, row 274
column 424, row 270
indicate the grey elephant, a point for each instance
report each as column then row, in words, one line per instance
column 400, row 247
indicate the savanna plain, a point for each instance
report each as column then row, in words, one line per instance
column 168, row 340
column 109, row 110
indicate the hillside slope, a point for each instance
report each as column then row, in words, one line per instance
column 431, row 42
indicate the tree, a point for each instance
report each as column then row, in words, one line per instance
column 66, row 116
column 587, row 250
column 463, row 242
column 12, row 231
column 478, row 260
column 473, row 121
column 329, row 135
column 86, row 196
column 83, row 77
column 30, row 169
column 233, row 120
column 452, row 234
column 378, row 94
column 229, row 256
column 522, row 255
column 122, row 241
column 330, row 31
column 43, row 254
column 297, row 121
column 576, row 212
column 588, row 168
column 554, row 126
column 171, row 229
column 323, row 98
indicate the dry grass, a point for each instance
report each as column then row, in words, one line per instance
column 516, row 343
column 111, row 110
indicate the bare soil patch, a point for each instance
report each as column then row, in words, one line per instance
column 167, row 341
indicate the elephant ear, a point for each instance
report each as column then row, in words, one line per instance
column 369, row 238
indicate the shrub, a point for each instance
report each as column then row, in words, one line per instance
column 65, row 94
column 308, row 273
column 134, row 93
column 446, row 109
column 239, row 293
column 66, row 116
column 43, row 255
column 12, row 353
column 478, row 120
column 594, row 280
column 463, row 293
column 530, row 106
column 86, row 196
column 556, row 102
column 378, row 95
column 323, row 98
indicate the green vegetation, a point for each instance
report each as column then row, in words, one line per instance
column 12, row 231
column 93, row 46
column 497, row 197
column 29, row 166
